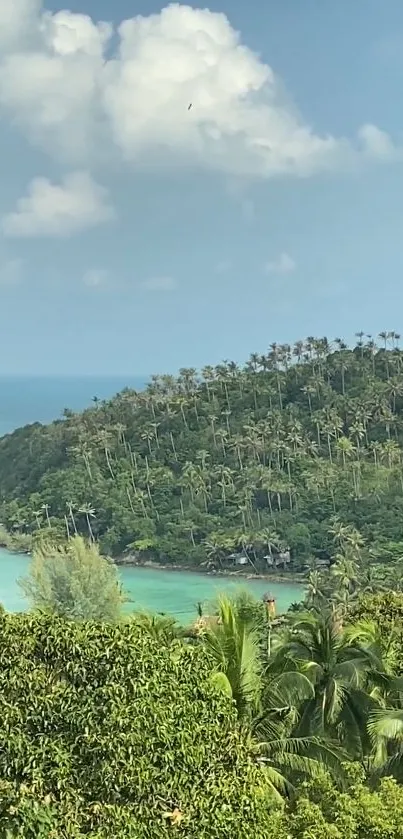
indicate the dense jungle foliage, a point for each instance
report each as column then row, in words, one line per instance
column 112, row 733
column 242, row 727
column 235, row 461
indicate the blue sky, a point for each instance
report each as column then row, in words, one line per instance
column 137, row 236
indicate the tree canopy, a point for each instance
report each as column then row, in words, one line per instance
column 74, row 581
column 125, row 731
column 253, row 461
column 105, row 731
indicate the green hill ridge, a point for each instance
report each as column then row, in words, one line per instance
column 251, row 461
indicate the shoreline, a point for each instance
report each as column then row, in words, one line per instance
column 288, row 577
column 122, row 561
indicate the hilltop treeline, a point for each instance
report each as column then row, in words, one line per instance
column 254, row 461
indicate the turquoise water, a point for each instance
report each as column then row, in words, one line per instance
column 12, row 567
column 41, row 399
column 26, row 399
column 173, row 592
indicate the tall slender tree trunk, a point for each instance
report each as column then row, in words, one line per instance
column 130, row 501
column 213, row 432
column 87, row 466
column 184, row 417
column 173, row 446
column 89, row 527
column 73, row 521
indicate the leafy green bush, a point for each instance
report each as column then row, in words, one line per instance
column 73, row 580
column 322, row 812
column 105, row 731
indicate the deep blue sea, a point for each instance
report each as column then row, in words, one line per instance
column 43, row 398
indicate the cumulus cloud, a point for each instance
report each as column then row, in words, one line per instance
column 17, row 18
column 159, row 284
column 60, row 210
column 285, row 264
column 376, row 143
column 77, row 86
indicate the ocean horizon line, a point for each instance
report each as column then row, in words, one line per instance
column 72, row 376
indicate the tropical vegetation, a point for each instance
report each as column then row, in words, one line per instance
column 74, row 581
column 106, row 731
column 251, row 463
column 246, row 724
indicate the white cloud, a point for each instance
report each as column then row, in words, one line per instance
column 16, row 19
column 285, row 264
column 59, row 209
column 63, row 80
column 377, row 143
column 10, row 272
column 159, row 284
column 95, row 277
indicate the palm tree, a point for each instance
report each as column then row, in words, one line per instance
column 37, row 514
column 189, row 479
column 314, row 594
column 45, row 508
column 82, row 451
column 209, row 376
column 384, row 337
column 104, row 438
column 345, row 447
column 222, row 436
column 265, row 695
column 271, row 539
column 386, row 732
column 148, row 435
column 234, row 644
column 225, row 481
column 89, row 513
column 70, row 506
column 339, row 664
column 216, row 548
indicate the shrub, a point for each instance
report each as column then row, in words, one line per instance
column 73, row 580
column 104, row 731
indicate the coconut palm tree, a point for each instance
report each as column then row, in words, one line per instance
column 46, row 508
column 70, row 507
column 265, row 695
column 340, row 664
column 104, row 439
column 386, row 732
column 89, row 514
column 37, row 514
column 314, row 594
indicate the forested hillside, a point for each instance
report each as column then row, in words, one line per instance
column 253, row 461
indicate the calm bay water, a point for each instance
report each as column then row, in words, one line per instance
column 154, row 590
column 27, row 399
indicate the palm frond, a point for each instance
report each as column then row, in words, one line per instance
column 386, row 724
